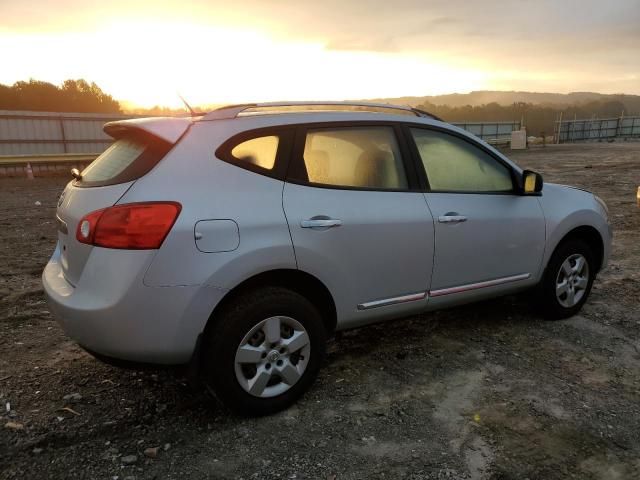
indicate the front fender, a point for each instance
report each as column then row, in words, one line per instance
column 566, row 209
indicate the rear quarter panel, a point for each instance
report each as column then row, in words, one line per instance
column 209, row 189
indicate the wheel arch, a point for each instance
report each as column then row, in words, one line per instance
column 588, row 234
column 298, row 281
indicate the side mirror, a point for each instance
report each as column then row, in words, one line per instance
column 531, row 182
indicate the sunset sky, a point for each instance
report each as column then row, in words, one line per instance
column 234, row 51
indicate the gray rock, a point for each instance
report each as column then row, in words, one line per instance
column 129, row 459
column 72, row 397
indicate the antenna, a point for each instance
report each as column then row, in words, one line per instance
column 191, row 110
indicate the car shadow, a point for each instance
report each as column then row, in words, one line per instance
column 412, row 332
column 163, row 391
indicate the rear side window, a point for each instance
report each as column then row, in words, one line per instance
column 354, row 157
column 263, row 150
column 259, row 151
column 127, row 159
column 455, row 165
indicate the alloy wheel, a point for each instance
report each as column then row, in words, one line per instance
column 272, row 356
column 572, row 280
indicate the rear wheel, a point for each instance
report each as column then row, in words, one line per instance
column 264, row 350
column 568, row 279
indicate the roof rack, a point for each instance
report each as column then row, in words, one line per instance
column 270, row 108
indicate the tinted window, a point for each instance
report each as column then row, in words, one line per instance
column 453, row 164
column 259, row 151
column 365, row 157
column 114, row 160
column 127, row 159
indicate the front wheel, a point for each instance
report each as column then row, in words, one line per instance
column 568, row 279
column 264, row 350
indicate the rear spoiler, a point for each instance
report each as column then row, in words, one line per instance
column 169, row 129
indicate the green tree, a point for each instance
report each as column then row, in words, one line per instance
column 72, row 96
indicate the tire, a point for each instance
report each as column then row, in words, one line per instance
column 566, row 286
column 247, row 358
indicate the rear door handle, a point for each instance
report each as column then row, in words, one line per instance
column 452, row 218
column 320, row 223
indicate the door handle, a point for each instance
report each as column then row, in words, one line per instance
column 320, row 223
column 452, row 218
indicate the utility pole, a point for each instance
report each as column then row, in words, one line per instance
column 559, row 127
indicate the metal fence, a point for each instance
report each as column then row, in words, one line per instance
column 28, row 133
column 491, row 132
column 33, row 133
column 568, row 131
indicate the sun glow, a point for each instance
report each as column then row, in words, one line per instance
column 148, row 63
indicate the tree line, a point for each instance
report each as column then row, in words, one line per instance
column 72, row 96
column 537, row 119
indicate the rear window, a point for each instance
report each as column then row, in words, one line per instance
column 114, row 160
column 128, row 159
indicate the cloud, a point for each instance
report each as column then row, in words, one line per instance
column 545, row 39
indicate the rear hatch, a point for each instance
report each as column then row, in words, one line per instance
column 139, row 145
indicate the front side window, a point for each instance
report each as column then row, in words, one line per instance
column 360, row 157
column 455, row 165
column 259, row 151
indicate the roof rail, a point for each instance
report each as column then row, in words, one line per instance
column 424, row 113
column 233, row 111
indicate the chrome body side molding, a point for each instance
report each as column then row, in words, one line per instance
column 443, row 291
column 393, row 301
column 474, row 286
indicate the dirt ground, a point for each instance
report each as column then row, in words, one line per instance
column 487, row 391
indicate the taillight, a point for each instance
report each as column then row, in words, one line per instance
column 133, row 226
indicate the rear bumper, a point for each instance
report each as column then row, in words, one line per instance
column 112, row 313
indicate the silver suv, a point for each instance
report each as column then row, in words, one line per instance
column 238, row 241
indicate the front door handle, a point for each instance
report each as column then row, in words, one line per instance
column 452, row 218
column 320, row 223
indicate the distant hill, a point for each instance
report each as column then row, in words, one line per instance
column 539, row 112
column 484, row 97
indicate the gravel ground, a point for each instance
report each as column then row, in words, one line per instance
column 484, row 391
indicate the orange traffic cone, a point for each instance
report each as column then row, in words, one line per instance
column 29, row 171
